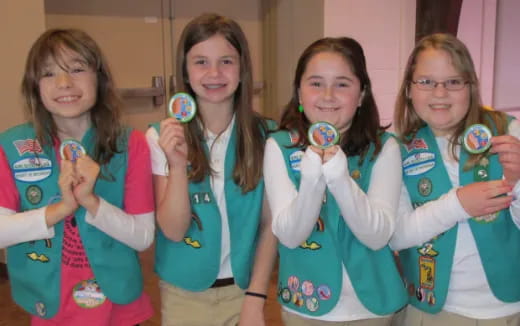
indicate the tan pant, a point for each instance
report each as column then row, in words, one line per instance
column 291, row 319
column 213, row 307
column 415, row 317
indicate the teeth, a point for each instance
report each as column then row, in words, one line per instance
column 440, row 106
column 66, row 99
column 214, row 86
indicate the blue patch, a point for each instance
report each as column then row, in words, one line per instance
column 32, row 169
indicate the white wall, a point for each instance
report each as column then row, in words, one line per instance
column 507, row 56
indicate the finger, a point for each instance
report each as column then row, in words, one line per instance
column 498, row 204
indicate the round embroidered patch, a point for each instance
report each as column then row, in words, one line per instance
column 71, row 150
column 297, row 299
column 307, row 288
column 477, row 139
column 312, row 304
column 87, row 294
column 33, row 194
column 425, row 187
column 286, row 295
column 431, row 298
column 40, row 309
column 182, row 107
column 323, row 292
column 293, row 283
column 323, row 135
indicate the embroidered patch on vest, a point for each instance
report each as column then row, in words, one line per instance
column 193, row 243
column 38, row 257
column 419, row 163
column 484, row 219
column 307, row 288
column 88, row 294
column 356, row 174
column 27, row 146
column 323, row 292
column 416, row 143
column 295, row 160
column 426, row 272
column 33, row 194
column 425, row 187
column 313, row 245
column 312, row 304
column 40, row 309
column 32, row 169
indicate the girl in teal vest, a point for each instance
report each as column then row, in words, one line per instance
column 76, row 199
column 458, row 223
column 213, row 221
column 334, row 209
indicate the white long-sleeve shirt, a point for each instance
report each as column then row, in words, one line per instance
column 468, row 293
column 369, row 215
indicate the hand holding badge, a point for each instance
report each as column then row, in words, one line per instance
column 323, row 135
column 182, row 107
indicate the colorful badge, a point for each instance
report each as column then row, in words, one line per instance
column 40, row 309
column 307, row 288
column 294, row 283
column 33, row 194
column 431, row 298
column 477, row 139
column 297, row 299
column 323, row 292
column 323, row 135
column 32, row 169
column 71, row 150
column 88, row 294
column 182, row 107
column 312, row 304
column 427, row 272
column 356, row 174
column 286, row 295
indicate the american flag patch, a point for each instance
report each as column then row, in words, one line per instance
column 416, row 143
column 27, row 146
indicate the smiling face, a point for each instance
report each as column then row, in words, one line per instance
column 329, row 90
column 68, row 89
column 441, row 109
column 213, row 68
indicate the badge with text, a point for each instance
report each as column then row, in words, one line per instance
column 71, row 150
column 477, row 139
column 323, row 135
column 182, row 107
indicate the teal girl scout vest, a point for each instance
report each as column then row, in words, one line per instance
column 35, row 266
column 194, row 263
column 310, row 276
column 427, row 268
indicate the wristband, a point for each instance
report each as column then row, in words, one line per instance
column 255, row 294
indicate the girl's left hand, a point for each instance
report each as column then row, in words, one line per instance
column 87, row 171
column 508, row 149
column 329, row 153
column 252, row 312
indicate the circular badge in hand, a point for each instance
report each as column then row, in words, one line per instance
column 182, row 107
column 71, row 150
column 477, row 139
column 323, row 135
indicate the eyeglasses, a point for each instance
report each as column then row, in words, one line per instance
column 454, row 84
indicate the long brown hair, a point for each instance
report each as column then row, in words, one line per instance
column 407, row 121
column 251, row 128
column 106, row 112
column 365, row 128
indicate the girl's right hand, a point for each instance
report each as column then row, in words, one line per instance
column 486, row 197
column 67, row 180
column 173, row 143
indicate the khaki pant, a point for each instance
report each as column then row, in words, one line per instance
column 414, row 317
column 212, row 307
column 291, row 319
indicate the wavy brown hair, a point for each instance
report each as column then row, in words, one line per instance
column 251, row 128
column 365, row 127
column 407, row 121
column 105, row 115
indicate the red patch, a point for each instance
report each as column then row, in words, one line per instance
column 416, row 143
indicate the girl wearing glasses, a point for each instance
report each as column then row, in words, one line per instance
column 459, row 216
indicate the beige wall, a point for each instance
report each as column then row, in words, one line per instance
column 20, row 24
